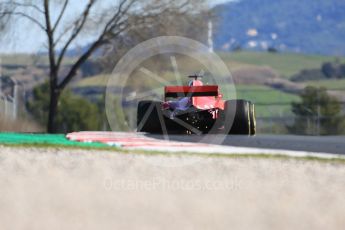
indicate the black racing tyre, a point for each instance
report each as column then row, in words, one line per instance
column 237, row 117
column 148, row 114
column 252, row 119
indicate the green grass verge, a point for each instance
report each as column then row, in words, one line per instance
column 269, row 102
column 264, row 94
column 43, row 139
column 287, row 64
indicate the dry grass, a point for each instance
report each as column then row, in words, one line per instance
column 19, row 125
column 254, row 75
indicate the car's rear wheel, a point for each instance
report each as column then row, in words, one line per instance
column 252, row 119
column 237, row 117
column 149, row 114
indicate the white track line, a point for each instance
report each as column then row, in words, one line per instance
column 137, row 141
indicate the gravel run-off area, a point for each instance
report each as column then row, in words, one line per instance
column 48, row 188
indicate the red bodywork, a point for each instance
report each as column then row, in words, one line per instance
column 203, row 97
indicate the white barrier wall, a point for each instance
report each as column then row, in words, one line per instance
column 7, row 108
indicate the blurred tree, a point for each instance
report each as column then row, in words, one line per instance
column 333, row 69
column 119, row 113
column 237, row 48
column 172, row 22
column 342, row 70
column 272, row 50
column 104, row 21
column 309, row 75
column 329, row 69
column 317, row 114
column 76, row 113
column 4, row 18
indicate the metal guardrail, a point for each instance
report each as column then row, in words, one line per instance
column 8, row 103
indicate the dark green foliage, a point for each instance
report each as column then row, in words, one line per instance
column 75, row 113
column 39, row 105
column 91, row 68
column 342, row 70
column 333, row 70
column 328, row 70
column 272, row 50
column 317, row 114
column 237, row 48
column 309, row 75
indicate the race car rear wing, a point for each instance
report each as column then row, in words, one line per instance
column 191, row 91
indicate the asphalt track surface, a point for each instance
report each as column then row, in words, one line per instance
column 322, row 144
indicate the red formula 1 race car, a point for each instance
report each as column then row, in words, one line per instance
column 198, row 109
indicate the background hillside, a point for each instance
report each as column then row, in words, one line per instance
column 274, row 49
column 307, row 26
